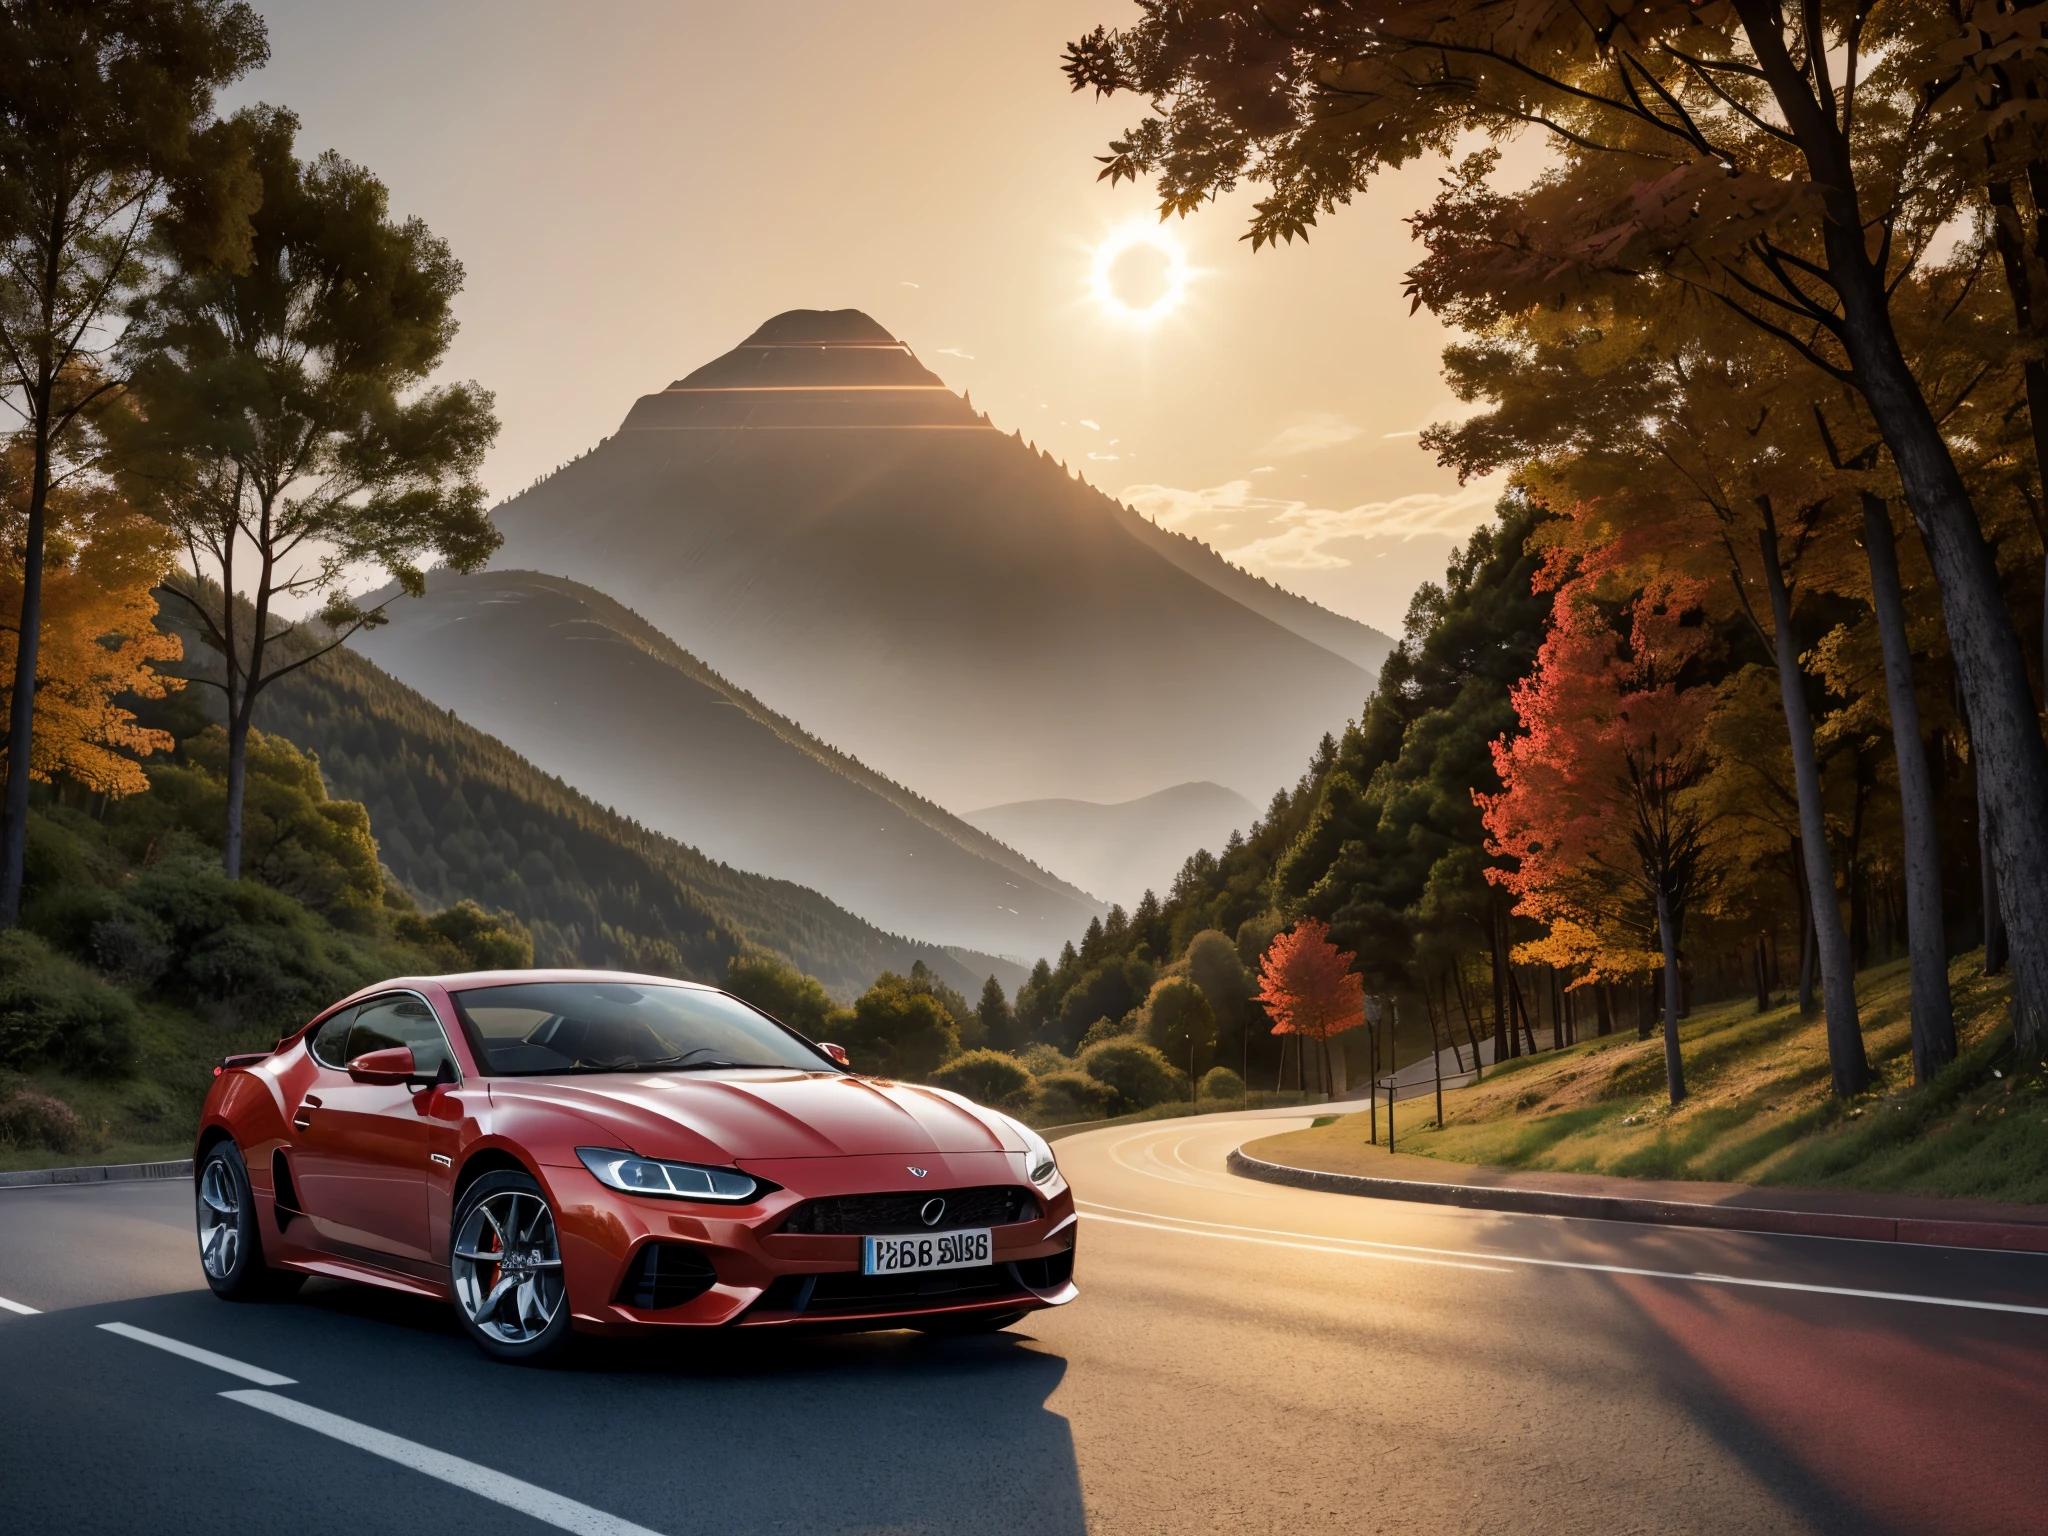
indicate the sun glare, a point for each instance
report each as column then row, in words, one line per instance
column 1140, row 274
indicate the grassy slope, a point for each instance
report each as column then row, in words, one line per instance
column 1760, row 1110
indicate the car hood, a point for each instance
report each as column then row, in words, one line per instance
column 735, row 1116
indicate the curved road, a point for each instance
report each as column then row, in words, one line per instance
column 1244, row 1358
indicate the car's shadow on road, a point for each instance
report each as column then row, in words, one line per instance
column 732, row 1432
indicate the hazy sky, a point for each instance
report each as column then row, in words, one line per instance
column 634, row 187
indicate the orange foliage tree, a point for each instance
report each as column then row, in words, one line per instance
column 1600, row 810
column 1309, row 988
column 99, row 639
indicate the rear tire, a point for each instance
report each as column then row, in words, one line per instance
column 230, row 1246
column 968, row 1325
column 505, row 1268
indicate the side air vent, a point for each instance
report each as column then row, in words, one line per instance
column 666, row 1275
column 284, row 1195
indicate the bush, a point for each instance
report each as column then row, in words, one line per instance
column 54, row 1009
column 987, row 1077
column 30, row 1119
column 1108, row 1029
column 1042, row 1060
column 1178, row 1022
column 1073, row 1095
column 1136, row 1075
column 1222, row 1083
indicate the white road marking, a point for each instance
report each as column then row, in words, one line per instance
column 15, row 1306
column 550, row 1508
column 254, row 1373
column 1268, row 1242
column 1367, row 1247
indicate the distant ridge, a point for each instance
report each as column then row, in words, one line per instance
column 587, row 689
column 819, row 519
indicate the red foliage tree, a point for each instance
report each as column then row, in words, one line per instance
column 1309, row 988
column 1600, row 809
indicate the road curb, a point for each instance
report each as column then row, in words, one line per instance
column 101, row 1173
column 2005, row 1237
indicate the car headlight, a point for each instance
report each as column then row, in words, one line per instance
column 1039, row 1162
column 672, row 1181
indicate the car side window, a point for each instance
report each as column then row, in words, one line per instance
column 330, row 1040
column 400, row 1019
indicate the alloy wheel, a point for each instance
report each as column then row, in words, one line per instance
column 507, row 1267
column 220, row 1219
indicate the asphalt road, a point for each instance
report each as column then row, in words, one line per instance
column 1244, row 1358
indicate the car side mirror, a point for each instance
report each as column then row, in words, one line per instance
column 391, row 1065
column 836, row 1052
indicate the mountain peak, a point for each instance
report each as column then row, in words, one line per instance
column 821, row 328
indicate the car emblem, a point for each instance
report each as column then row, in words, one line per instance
column 933, row 1213
column 917, row 1173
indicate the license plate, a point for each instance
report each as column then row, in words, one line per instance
column 935, row 1250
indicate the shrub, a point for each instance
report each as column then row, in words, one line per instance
column 987, row 1077
column 1222, row 1083
column 1108, row 1029
column 30, row 1119
column 1042, row 1060
column 1135, row 1073
column 1178, row 1022
column 1073, row 1095
column 54, row 1009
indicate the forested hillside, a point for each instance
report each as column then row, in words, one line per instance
column 459, row 816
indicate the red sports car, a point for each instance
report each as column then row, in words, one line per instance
column 610, row 1153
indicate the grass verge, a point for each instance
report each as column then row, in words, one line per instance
column 1760, row 1109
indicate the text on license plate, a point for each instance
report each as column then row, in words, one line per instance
column 934, row 1250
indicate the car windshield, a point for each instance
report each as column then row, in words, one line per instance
column 549, row 1027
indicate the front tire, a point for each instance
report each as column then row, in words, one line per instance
column 230, row 1245
column 505, row 1268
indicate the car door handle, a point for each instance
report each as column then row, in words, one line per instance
column 307, row 1105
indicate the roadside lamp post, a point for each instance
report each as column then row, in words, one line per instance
column 1372, row 1096
column 1393, row 1024
column 1436, row 1056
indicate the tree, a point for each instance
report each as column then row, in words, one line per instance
column 281, row 403
column 782, row 991
column 1180, row 1025
column 900, row 1031
column 987, row 1077
column 107, row 139
column 1309, row 988
column 998, row 1024
column 1789, row 166
column 1214, row 966
column 1600, row 809
column 98, row 640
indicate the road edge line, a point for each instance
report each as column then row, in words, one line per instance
column 1993, row 1237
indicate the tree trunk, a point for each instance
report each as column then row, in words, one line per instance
column 1667, row 937
column 21, row 706
column 1603, row 1013
column 1763, row 982
column 1934, row 1030
column 2012, row 759
column 1851, row 1069
column 1995, row 947
column 1503, row 1028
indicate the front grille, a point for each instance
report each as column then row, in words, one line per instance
column 1047, row 1273
column 666, row 1275
column 988, row 1205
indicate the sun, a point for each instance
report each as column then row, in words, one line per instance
column 1140, row 274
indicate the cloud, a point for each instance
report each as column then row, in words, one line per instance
column 1321, row 430
column 954, row 352
column 1293, row 535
